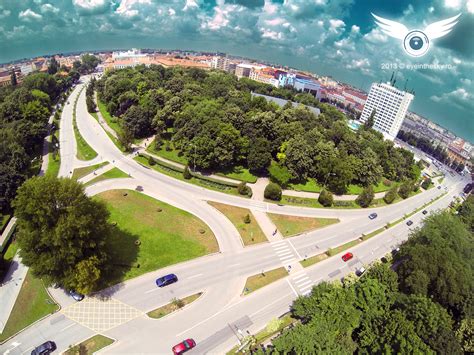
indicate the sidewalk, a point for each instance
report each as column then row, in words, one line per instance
column 336, row 197
column 103, row 122
column 10, row 288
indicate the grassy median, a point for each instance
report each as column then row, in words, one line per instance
column 114, row 173
column 293, row 225
column 90, row 346
column 81, row 172
column 265, row 278
column 173, row 306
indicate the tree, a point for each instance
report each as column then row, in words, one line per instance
column 243, row 189
column 391, row 195
column 13, row 79
column 90, row 104
column 465, row 335
column 426, row 183
column 272, row 192
column 53, row 66
column 259, row 156
column 371, row 120
column 366, row 197
column 137, row 122
column 186, row 173
column 125, row 139
column 247, row 219
column 279, row 174
column 466, row 212
column 384, row 275
column 405, row 189
column 325, row 198
column 62, row 232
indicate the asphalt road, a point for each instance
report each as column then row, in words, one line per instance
column 217, row 317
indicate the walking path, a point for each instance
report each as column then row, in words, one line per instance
column 96, row 173
column 336, row 197
column 103, row 122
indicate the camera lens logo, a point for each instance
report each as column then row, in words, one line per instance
column 416, row 43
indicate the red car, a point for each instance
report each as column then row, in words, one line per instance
column 183, row 346
column 347, row 256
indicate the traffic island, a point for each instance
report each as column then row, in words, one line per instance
column 175, row 305
column 262, row 279
column 90, row 346
column 293, row 225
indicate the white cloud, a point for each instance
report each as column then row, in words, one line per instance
column 4, row 13
column 355, row 29
column 460, row 98
column 49, row 8
column 220, row 18
column 275, row 21
column 431, row 9
column 171, row 12
column 470, row 6
column 376, row 36
column 85, row 7
column 29, row 15
column 409, row 10
column 190, row 4
column 269, row 7
column 335, row 25
column 128, row 8
column 276, row 36
column 452, row 4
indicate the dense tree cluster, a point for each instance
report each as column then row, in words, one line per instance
column 213, row 118
column 62, row 232
column 86, row 65
column 423, row 307
column 24, row 113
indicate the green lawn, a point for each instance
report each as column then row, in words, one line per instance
column 372, row 234
column 12, row 248
column 95, row 115
column 255, row 282
column 4, row 218
column 84, row 150
column 309, row 186
column 172, row 307
column 205, row 182
column 114, row 173
column 112, row 122
column 81, row 172
column 292, row 225
column 240, row 173
column 33, row 303
column 54, row 159
column 90, row 346
column 250, row 233
column 172, row 154
column 166, row 234
column 313, row 260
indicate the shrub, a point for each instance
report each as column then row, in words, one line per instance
column 243, row 189
column 168, row 147
column 342, row 203
column 391, row 195
column 247, row 219
column 426, row 184
column 325, row 198
column 366, row 197
column 279, row 174
column 387, row 182
column 151, row 161
column 405, row 188
column 186, row 173
column 272, row 192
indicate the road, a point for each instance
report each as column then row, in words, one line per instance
column 212, row 318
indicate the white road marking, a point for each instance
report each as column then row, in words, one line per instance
column 152, row 290
column 306, row 293
column 279, row 247
column 301, row 283
column 69, row 326
column 306, row 288
column 279, row 243
column 300, row 276
column 292, row 288
column 296, row 252
column 284, row 252
column 194, row 276
column 236, row 264
column 287, row 257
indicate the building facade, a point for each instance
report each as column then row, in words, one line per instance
column 390, row 106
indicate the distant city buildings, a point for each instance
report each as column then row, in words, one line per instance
column 390, row 106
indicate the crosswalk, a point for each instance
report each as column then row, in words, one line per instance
column 284, row 252
column 302, row 283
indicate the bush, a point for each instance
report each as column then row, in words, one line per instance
column 366, row 197
column 387, row 182
column 391, row 195
column 272, row 192
column 168, row 147
column 151, row 161
column 426, row 184
column 279, row 174
column 325, row 198
column 186, row 173
column 243, row 189
column 405, row 188
column 247, row 219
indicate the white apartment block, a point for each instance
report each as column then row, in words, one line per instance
column 221, row 63
column 390, row 105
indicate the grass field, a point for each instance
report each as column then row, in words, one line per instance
column 4, row 218
column 81, row 172
column 166, row 234
column 172, row 154
column 54, row 159
column 313, row 260
column 312, row 186
column 111, row 121
column 240, row 173
column 33, row 303
column 84, row 150
column 90, row 346
column 292, row 225
column 255, row 282
column 172, row 306
column 341, row 248
column 251, row 232
column 114, row 173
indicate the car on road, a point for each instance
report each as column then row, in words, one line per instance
column 166, row 280
column 395, row 251
column 183, row 346
column 45, row 348
column 76, row 295
column 409, row 223
column 373, row 215
column 347, row 257
column 439, row 187
column 360, row 271
column 424, row 212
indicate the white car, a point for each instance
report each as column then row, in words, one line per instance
column 360, row 271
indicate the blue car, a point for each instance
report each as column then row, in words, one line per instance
column 166, row 280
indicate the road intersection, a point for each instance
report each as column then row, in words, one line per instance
column 217, row 319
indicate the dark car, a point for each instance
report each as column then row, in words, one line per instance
column 439, row 187
column 347, row 256
column 166, row 280
column 373, row 215
column 424, row 212
column 44, row 349
column 183, row 346
column 409, row 223
column 76, row 295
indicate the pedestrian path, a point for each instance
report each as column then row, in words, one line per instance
column 266, row 225
column 96, row 173
column 302, row 283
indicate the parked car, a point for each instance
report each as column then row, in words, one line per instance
column 424, row 212
column 409, row 223
column 347, row 256
column 183, row 346
column 395, row 251
column 439, row 187
column 166, row 280
column 76, row 295
column 360, row 271
column 373, row 215
column 45, row 348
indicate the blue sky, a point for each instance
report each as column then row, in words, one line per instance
column 330, row 37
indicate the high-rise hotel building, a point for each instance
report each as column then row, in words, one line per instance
column 390, row 105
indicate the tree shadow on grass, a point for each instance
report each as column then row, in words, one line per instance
column 123, row 254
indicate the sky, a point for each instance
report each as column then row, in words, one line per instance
column 328, row 37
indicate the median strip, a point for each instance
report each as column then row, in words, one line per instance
column 265, row 278
column 173, row 306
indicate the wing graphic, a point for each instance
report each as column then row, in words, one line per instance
column 441, row 28
column 391, row 28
